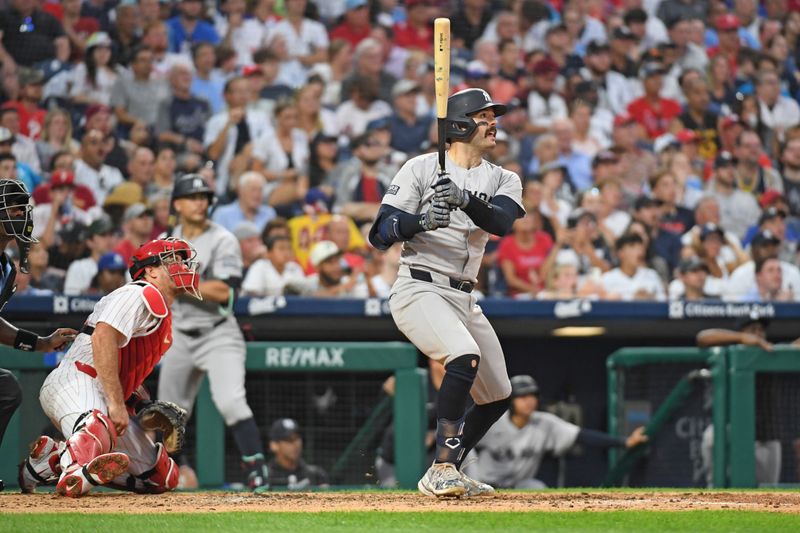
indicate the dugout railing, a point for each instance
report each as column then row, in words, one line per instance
column 728, row 388
column 263, row 358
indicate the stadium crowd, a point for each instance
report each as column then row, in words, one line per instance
column 658, row 140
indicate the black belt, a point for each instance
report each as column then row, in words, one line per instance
column 422, row 275
column 194, row 333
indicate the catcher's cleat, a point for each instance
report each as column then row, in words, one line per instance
column 101, row 470
column 442, row 480
column 477, row 488
column 41, row 467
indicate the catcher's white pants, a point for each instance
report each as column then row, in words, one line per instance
column 67, row 393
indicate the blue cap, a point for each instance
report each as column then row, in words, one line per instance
column 355, row 4
column 111, row 261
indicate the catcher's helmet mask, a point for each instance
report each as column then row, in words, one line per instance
column 174, row 255
column 16, row 217
column 460, row 109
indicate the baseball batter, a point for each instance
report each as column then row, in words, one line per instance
column 444, row 225
column 207, row 338
column 512, row 450
column 16, row 224
column 88, row 395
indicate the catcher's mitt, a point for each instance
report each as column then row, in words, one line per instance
column 168, row 418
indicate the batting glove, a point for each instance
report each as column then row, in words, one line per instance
column 437, row 216
column 449, row 192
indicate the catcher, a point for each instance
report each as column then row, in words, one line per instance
column 95, row 396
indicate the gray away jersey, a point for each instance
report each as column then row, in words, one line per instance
column 508, row 454
column 456, row 250
column 219, row 257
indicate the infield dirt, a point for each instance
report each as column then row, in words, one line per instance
column 193, row 502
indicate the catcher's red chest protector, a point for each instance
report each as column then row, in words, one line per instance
column 138, row 358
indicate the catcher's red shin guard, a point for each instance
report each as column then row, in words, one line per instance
column 164, row 475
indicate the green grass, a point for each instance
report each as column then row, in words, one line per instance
column 638, row 521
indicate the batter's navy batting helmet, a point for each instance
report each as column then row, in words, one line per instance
column 460, row 108
column 192, row 184
column 522, row 386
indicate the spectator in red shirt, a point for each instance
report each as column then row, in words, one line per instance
column 417, row 31
column 355, row 27
column 521, row 256
column 651, row 111
column 728, row 32
column 31, row 116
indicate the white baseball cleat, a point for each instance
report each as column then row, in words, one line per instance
column 477, row 488
column 41, row 466
column 101, row 470
column 442, row 480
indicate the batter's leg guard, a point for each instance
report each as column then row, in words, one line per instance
column 450, row 406
column 42, row 466
column 87, row 460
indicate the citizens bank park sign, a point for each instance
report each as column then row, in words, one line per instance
column 682, row 310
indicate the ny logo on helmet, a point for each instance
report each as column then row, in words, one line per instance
column 198, row 183
column 487, row 97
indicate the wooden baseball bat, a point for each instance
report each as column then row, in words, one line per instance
column 441, row 67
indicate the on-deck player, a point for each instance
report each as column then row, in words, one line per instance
column 431, row 301
column 207, row 337
column 85, row 396
column 16, row 224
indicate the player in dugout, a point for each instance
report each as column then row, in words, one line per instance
column 510, row 453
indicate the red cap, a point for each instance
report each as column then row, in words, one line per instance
column 413, row 3
column 61, row 177
column 793, row 5
column 730, row 120
column 545, row 66
column 249, row 70
column 687, row 136
column 622, row 119
column 727, row 21
column 94, row 109
column 769, row 197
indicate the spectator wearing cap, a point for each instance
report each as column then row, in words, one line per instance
column 635, row 164
column 622, row 49
column 330, row 281
column 182, row 117
column 282, row 157
column 409, row 130
column 23, row 148
column 242, row 33
column 306, row 42
column 206, row 83
column 137, row 99
column 80, row 273
column 287, row 468
column 651, row 111
column 674, row 218
column 663, row 243
column 248, row 207
column 56, row 137
column 9, row 166
column 727, row 25
column 230, row 133
column 707, row 213
column 188, row 27
column 48, row 218
column 92, row 80
column 743, row 280
column 768, row 283
column 362, row 107
column 361, row 181
column 790, row 174
column 544, row 103
column 137, row 225
column 699, row 118
column 773, row 219
column 777, row 112
column 28, row 104
column 30, row 36
column 753, row 172
column 111, row 274
column 71, row 244
column 42, row 276
column 672, row 10
column 615, row 90
column 631, row 280
column 249, row 237
column 91, row 170
column 690, row 283
column 355, row 25
column 368, row 62
column 730, row 127
column 521, row 256
column 268, row 276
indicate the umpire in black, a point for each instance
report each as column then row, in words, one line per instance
column 16, row 224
